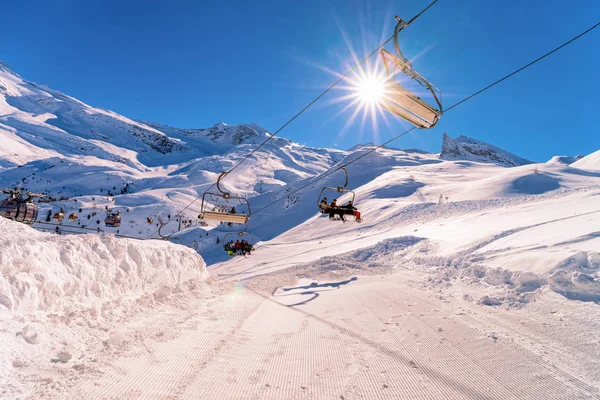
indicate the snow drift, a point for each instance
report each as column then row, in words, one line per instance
column 60, row 274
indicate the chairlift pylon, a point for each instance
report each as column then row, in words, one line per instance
column 400, row 101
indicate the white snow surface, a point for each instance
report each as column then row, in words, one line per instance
column 590, row 162
column 474, row 274
column 50, row 273
column 86, row 280
column 54, row 144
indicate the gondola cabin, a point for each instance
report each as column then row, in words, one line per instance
column 73, row 217
column 113, row 219
column 19, row 209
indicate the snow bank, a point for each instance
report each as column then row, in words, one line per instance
column 578, row 277
column 60, row 274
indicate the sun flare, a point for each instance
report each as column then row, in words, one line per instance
column 370, row 89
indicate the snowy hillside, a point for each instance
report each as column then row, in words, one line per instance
column 99, row 160
column 591, row 162
column 466, row 148
column 474, row 273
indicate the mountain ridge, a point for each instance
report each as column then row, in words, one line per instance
column 469, row 149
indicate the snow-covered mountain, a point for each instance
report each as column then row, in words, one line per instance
column 57, row 145
column 466, row 148
column 97, row 160
column 473, row 243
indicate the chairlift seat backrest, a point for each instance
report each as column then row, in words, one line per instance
column 403, row 103
column 410, row 107
column 224, row 217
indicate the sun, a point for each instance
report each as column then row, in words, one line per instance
column 370, row 89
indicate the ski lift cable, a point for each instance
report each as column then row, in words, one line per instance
column 300, row 112
column 332, row 171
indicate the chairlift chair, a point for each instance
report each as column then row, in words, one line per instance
column 339, row 189
column 400, row 101
column 224, row 216
column 238, row 234
column 19, row 209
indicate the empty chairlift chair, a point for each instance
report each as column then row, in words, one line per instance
column 226, row 215
column 400, row 101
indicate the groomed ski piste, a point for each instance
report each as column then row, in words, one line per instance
column 490, row 293
column 475, row 273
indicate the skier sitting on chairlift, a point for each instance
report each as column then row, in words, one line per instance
column 228, row 248
column 323, row 205
column 335, row 209
column 349, row 208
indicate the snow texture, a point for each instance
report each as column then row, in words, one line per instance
column 471, row 273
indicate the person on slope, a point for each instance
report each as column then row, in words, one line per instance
column 350, row 206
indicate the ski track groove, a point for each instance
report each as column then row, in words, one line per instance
column 449, row 389
column 135, row 376
column 531, row 356
column 520, row 349
column 407, row 382
column 375, row 339
column 502, row 364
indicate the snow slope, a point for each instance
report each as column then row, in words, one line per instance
column 475, row 273
column 527, row 219
column 54, row 144
column 589, row 162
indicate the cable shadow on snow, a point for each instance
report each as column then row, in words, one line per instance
column 314, row 293
column 316, row 285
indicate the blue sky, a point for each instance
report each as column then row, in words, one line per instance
column 192, row 64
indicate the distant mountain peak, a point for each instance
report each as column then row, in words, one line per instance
column 5, row 67
column 466, row 148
